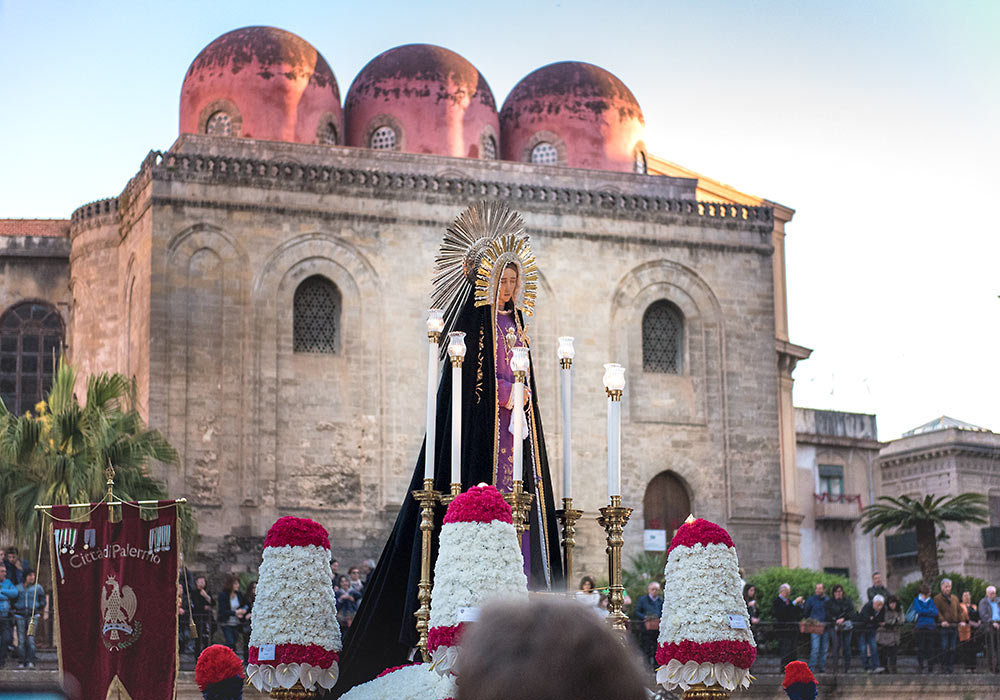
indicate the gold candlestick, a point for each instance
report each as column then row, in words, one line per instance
column 520, row 503
column 613, row 519
column 447, row 498
column 426, row 497
column 568, row 517
column 700, row 691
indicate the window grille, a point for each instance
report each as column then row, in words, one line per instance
column 31, row 340
column 219, row 124
column 328, row 135
column 489, row 148
column 662, row 338
column 544, row 153
column 383, row 139
column 316, row 316
column 640, row 163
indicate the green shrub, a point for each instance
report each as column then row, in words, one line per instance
column 644, row 568
column 802, row 581
column 959, row 584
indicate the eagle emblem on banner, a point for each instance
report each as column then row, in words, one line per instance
column 118, row 605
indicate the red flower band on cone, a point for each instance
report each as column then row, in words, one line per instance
column 701, row 532
column 480, row 504
column 739, row 654
column 396, row 668
column 311, row 654
column 216, row 663
column 443, row 636
column 296, row 532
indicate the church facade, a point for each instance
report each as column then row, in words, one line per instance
column 266, row 281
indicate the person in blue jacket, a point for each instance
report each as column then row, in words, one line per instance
column 8, row 594
column 925, row 622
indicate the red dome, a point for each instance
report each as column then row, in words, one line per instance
column 420, row 98
column 262, row 83
column 574, row 114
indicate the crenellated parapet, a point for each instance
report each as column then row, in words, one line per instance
column 99, row 213
column 526, row 195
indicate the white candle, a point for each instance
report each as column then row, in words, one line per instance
column 614, row 384
column 456, row 425
column 456, row 351
column 429, row 445
column 435, row 323
column 520, row 364
column 518, row 430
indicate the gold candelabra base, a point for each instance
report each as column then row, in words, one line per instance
column 296, row 692
column 613, row 519
column 568, row 517
column 426, row 497
column 700, row 691
column 454, row 492
column 520, row 505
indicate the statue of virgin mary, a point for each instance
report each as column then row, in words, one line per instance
column 486, row 283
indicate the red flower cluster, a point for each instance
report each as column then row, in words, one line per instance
column 216, row 663
column 396, row 668
column 297, row 532
column 311, row 654
column 739, row 654
column 700, row 531
column 480, row 504
column 797, row 672
column 443, row 636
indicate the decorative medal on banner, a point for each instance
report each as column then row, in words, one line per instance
column 159, row 539
column 65, row 538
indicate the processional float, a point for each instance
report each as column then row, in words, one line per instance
column 476, row 247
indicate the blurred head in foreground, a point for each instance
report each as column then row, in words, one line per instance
column 546, row 649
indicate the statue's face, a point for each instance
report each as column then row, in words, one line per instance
column 507, row 286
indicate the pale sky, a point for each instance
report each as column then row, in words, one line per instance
column 876, row 121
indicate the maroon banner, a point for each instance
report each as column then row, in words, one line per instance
column 116, row 601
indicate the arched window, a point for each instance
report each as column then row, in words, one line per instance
column 328, row 134
column 544, row 153
column 316, row 316
column 219, row 124
column 665, row 505
column 489, row 147
column 383, row 139
column 662, row 338
column 640, row 162
column 31, row 340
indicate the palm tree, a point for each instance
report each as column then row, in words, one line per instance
column 927, row 518
column 57, row 454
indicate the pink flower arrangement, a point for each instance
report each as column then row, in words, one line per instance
column 296, row 532
column 702, row 532
column 311, row 654
column 739, row 654
column 480, row 504
column 444, row 636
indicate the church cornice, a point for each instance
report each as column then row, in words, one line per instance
column 936, row 452
column 208, row 168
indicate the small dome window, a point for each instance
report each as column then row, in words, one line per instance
column 489, row 148
column 219, row 124
column 328, row 134
column 383, row 139
column 544, row 153
column 640, row 162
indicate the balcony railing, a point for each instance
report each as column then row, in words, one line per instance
column 843, row 507
column 991, row 538
column 901, row 545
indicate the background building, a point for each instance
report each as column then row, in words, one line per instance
column 945, row 457
column 265, row 280
column 836, row 455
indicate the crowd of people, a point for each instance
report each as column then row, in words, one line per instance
column 22, row 600
column 202, row 614
column 950, row 630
